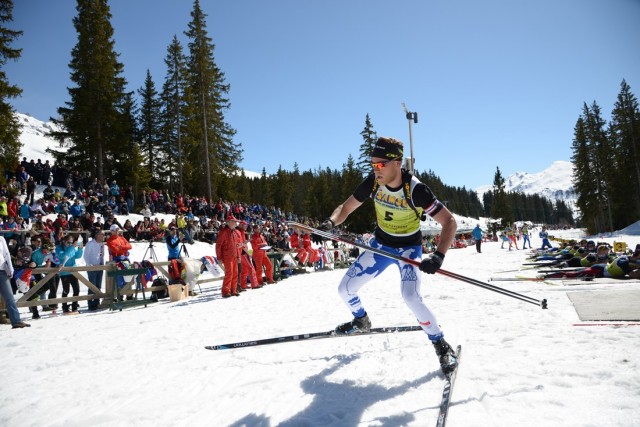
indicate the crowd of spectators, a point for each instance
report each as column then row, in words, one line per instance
column 88, row 204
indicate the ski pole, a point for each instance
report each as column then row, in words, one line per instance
column 506, row 292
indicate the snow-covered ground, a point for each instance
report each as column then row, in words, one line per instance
column 521, row 365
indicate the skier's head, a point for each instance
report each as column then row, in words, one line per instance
column 388, row 149
column 386, row 160
column 603, row 252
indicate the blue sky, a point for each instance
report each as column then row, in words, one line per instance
column 495, row 84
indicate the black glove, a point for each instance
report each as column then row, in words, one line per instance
column 327, row 225
column 433, row 263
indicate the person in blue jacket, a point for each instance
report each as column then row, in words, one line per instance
column 68, row 252
column 477, row 236
column 544, row 235
column 173, row 240
column 25, row 211
column 76, row 209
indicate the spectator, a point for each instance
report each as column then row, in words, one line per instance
column 48, row 192
column 114, row 190
column 146, row 212
column 31, row 190
column 43, row 256
column 6, row 273
column 94, row 255
column 3, row 207
column 181, row 223
column 24, row 211
column 228, row 248
column 247, row 271
column 128, row 230
column 477, row 236
column 118, row 246
column 11, row 225
column 37, row 208
column 76, row 209
column 12, row 207
column 69, row 193
column 173, row 240
column 146, row 230
column 75, row 229
column 258, row 244
column 67, row 252
column 22, row 177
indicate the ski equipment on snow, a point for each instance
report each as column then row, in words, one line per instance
column 314, row 335
column 446, row 392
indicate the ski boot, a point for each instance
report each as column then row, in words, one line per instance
column 447, row 356
column 359, row 325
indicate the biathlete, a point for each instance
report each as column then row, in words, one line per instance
column 400, row 200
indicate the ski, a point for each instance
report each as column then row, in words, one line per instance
column 313, row 335
column 517, row 279
column 446, row 392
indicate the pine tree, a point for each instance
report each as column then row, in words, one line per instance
column 369, row 137
column 130, row 159
column 150, row 130
column 500, row 208
column 362, row 220
column 174, row 107
column 212, row 151
column 284, row 183
column 93, row 120
column 583, row 178
column 9, row 125
column 601, row 163
column 624, row 137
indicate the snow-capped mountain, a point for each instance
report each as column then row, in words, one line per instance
column 34, row 138
column 554, row 183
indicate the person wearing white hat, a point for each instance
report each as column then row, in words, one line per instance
column 118, row 246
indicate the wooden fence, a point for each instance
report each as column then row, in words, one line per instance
column 104, row 294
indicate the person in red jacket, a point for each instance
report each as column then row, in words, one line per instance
column 228, row 248
column 258, row 243
column 313, row 253
column 118, row 246
column 12, row 207
column 296, row 245
column 247, row 269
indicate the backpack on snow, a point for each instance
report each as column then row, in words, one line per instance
column 161, row 293
column 177, row 272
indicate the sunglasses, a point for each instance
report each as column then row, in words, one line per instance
column 380, row 165
column 68, row 243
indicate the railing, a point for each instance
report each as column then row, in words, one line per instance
column 104, row 295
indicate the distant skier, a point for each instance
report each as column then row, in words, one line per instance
column 477, row 236
column 400, row 200
column 545, row 239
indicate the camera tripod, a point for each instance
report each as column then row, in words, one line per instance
column 151, row 251
column 183, row 250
